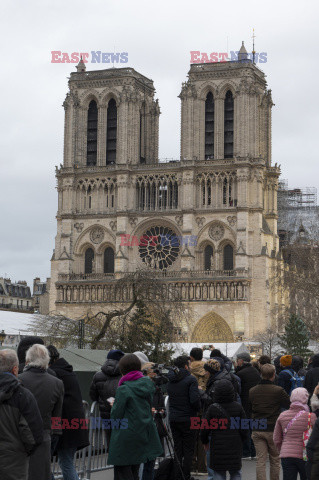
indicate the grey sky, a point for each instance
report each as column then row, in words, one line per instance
column 158, row 37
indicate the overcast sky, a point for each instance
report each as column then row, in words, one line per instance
column 158, row 36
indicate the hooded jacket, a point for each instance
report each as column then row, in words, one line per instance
column 197, row 369
column 72, row 408
column 21, row 428
column 184, row 398
column 313, row 452
column 139, row 442
column 226, row 443
column 104, row 385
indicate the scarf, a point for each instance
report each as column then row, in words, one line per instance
column 129, row 377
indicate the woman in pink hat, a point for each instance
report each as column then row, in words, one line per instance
column 289, row 435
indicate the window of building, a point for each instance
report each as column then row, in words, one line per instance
column 89, row 259
column 229, row 126
column 228, row 257
column 142, row 134
column 208, row 257
column 92, row 134
column 209, row 126
column 109, row 260
column 111, row 132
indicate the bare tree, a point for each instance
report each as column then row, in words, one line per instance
column 161, row 299
column 269, row 340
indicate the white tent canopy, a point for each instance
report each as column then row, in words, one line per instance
column 228, row 349
column 15, row 323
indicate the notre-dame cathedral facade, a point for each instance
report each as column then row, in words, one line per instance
column 216, row 206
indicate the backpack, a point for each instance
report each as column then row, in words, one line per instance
column 295, row 380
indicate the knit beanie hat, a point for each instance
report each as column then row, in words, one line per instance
column 300, row 395
column 142, row 357
column 286, row 360
column 115, row 355
column 212, row 366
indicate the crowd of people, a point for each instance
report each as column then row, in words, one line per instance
column 221, row 412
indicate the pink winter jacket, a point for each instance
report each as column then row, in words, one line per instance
column 291, row 444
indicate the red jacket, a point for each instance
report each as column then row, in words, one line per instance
column 290, row 444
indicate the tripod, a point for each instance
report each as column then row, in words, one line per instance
column 171, row 448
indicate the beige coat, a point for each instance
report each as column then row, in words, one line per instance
column 198, row 371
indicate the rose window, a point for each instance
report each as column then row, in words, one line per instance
column 159, row 247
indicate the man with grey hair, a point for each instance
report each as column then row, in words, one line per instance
column 21, row 428
column 48, row 392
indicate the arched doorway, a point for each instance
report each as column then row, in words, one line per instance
column 212, row 328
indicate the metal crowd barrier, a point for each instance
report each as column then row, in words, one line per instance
column 94, row 457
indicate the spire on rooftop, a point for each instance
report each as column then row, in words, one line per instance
column 242, row 54
column 81, row 67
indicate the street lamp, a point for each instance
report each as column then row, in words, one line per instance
column 2, row 337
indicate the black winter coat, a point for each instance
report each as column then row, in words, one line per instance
column 104, row 386
column 21, row 428
column 311, row 380
column 226, row 444
column 72, row 407
column 313, row 453
column 48, row 392
column 249, row 378
column 183, row 393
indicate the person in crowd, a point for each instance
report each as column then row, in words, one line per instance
column 297, row 365
column 48, row 392
column 288, row 434
column 105, row 383
column 158, row 411
column 277, row 364
column 197, row 369
column 312, row 375
column 23, row 346
column 249, row 378
column 264, row 360
column 310, row 364
column 287, row 375
column 314, row 401
column 217, row 353
column 266, row 400
column 21, row 428
column 139, row 442
column 225, row 444
column 312, row 466
column 217, row 372
column 256, row 365
column 72, row 439
column 184, row 403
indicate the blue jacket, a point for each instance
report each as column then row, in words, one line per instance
column 184, row 398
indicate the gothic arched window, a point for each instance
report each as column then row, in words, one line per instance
column 91, row 148
column 111, row 132
column 89, row 259
column 109, row 260
column 142, row 134
column 209, row 126
column 208, row 257
column 228, row 257
column 229, row 126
